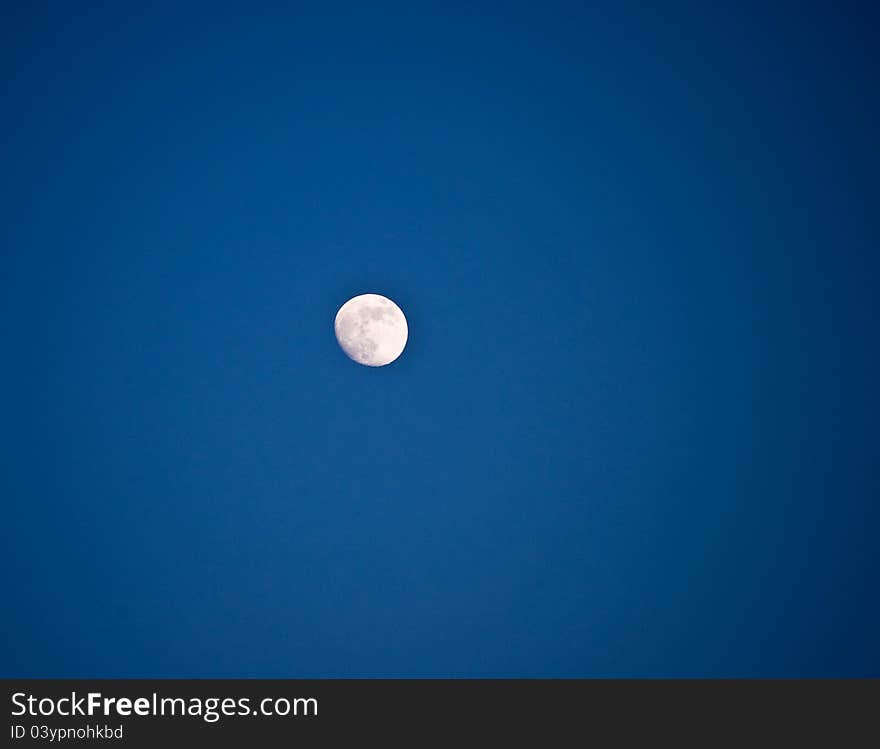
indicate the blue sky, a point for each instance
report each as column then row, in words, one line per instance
column 633, row 432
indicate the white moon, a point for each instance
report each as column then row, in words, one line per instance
column 371, row 330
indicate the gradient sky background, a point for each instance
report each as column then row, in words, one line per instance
column 634, row 431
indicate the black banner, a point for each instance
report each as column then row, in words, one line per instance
column 324, row 712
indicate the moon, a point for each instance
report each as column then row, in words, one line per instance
column 371, row 330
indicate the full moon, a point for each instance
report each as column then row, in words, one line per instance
column 371, row 330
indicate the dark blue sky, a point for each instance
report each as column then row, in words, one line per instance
column 634, row 431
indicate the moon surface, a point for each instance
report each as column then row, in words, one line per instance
column 371, row 330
